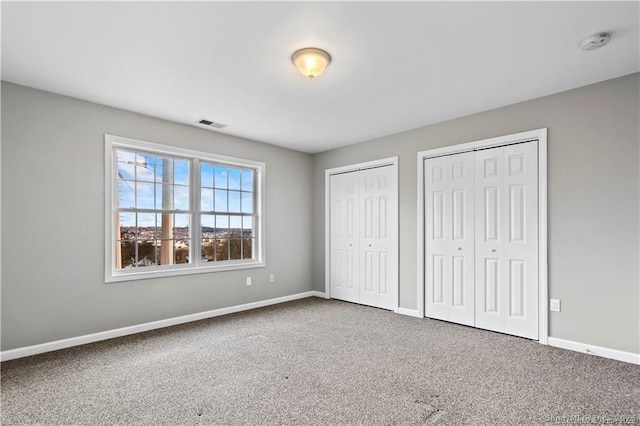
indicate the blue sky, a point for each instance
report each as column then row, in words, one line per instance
column 142, row 184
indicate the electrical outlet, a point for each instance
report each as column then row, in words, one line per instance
column 248, row 280
column 555, row 305
column 272, row 278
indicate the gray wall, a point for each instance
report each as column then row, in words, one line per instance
column 593, row 202
column 53, row 213
column 53, row 222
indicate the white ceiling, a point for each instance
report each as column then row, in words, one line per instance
column 396, row 66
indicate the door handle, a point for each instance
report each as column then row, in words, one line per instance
column 493, row 250
column 459, row 248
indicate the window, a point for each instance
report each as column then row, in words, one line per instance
column 172, row 211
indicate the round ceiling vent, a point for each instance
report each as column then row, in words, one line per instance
column 596, row 41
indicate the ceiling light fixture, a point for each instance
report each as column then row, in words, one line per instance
column 310, row 61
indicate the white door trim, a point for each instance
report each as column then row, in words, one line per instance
column 541, row 136
column 390, row 161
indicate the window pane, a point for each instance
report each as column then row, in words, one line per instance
column 181, row 172
column 145, row 168
column 222, row 226
column 222, row 249
column 235, row 226
column 182, row 236
column 208, row 250
column 247, row 202
column 220, row 177
column 247, row 180
column 234, row 201
column 235, row 251
column 125, row 226
column 126, row 157
column 207, row 221
column 206, row 200
column 181, row 226
column 146, row 254
column 165, row 226
column 126, row 164
column 126, row 193
column 221, row 200
column 146, row 226
column 165, row 251
column 127, row 254
column 247, row 226
column 145, row 195
column 164, row 169
column 207, row 233
column 182, row 252
column 159, row 169
column 164, row 196
column 247, row 247
column 181, row 197
column 234, row 179
column 206, row 175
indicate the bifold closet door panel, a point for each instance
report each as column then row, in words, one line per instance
column 521, row 242
column 378, row 230
column 490, row 206
column 462, row 239
column 506, row 239
column 345, row 236
column 449, row 227
column 437, row 272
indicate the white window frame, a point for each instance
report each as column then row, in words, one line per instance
column 196, row 266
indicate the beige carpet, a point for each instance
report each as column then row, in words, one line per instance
column 318, row 361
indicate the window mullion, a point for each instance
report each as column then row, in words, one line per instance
column 196, row 228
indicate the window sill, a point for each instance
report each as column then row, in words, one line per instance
column 113, row 277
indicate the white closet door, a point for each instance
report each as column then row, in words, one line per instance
column 449, row 223
column 521, row 239
column 437, row 274
column 345, row 240
column 462, row 239
column 506, row 247
column 378, row 233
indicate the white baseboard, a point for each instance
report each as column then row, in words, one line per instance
column 320, row 294
column 629, row 357
column 148, row 326
column 409, row 312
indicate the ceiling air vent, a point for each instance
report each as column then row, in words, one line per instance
column 209, row 123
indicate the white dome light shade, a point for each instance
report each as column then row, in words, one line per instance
column 310, row 61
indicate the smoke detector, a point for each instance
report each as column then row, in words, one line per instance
column 210, row 123
column 595, row 41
